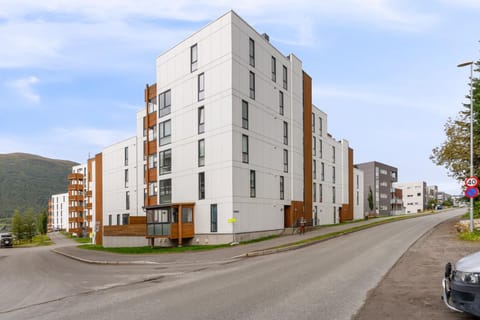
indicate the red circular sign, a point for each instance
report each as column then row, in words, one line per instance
column 471, row 182
column 471, row 192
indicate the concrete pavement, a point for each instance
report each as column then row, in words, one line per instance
column 278, row 244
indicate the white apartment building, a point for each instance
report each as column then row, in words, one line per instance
column 58, row 212
column 228, row 147
column 414, row 195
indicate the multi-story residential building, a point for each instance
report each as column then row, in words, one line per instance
column 58, row 212
column 432, row 195
column 379, row 179
column 229, row 146
column 78, row 221
column 414, row 196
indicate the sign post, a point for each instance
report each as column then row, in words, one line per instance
column 233, row 220
column 471, row 192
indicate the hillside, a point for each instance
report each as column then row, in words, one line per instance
column 27, row 181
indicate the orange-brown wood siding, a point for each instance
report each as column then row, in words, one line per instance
column 347, row 208
column 307, row 146
column 99, row 198
column 151, row 146
column 129, row 230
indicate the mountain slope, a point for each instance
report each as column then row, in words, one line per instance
column 28, row 181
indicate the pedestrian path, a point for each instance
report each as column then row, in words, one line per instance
column 281, row 243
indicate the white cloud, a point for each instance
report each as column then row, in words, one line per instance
column 24, row 88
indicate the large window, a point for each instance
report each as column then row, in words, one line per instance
column 282, row 187
column 320, row 148
column 201, row 152
column 201, row 119
column 165, row 103
column 285, row 160
column 166, row 191
column 244, row 149
column 285, row 132
column 126, row 156
column 165, row 132
column 320, row 193
column 322, row 171
column 244, row 114
column 126, row 178
column 201, row 86
column 201, row 185
column 193, row 57
column 127, row 200
column 274, row 69
column 152, row 189
column 333, row 175
column 253, row 192
column 213, row 218
column 333, row 154
column 334, row 195
column 152, row 133
column 285, row 77
column 152, row 161
column 125, row 219
column 251, row 52
column 159, row 220
column 280, row 102
column 165, row 161
column 320, row 128
column 252, row 85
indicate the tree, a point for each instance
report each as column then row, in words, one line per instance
column 42, row 221
column 370, row 199
column 454, row 153
column 17, row 225
column 30, row 226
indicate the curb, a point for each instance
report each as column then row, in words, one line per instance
column 104, row 262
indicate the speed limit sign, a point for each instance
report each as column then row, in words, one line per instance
column 471, row 182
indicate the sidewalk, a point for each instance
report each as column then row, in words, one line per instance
column 279, row 244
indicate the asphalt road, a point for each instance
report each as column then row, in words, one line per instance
column 329, row 280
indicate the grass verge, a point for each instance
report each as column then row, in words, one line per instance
column 37, row 241
column 470, row 236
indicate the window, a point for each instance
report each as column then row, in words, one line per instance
column 201, row 152
column 251, row 52
column 358, row 198
column 314, row 192
column 252, row 85
column 313, row 122
column 333, row 174
column 118, row 219
column 314, row 144
column 125, row 218
column 165, row 132
column 152, row 105
column 282, row 187
column 333, row 154
column 201, row 119
column 320, row 148
column 127, row 200
column 213, row 218
column 285, row 81
column 314, row 169
column 252, row 184
column 109, row 219
column 244, row 149
column 281, row 101
column 126, row 155
column 285, row 160
column 165, row 161
column 244, row 114
column 274, row 69
column 166, row 191
column 285, row 133
column 165, row 103
column 126, row 178
column 320, row 193
column 152, row 189
column 193, row 57
column 322, row 171
column 152, row 133
column 152, row 161
column 333, row 195
column 201, row 185
column 320, row 127
column 201, row 86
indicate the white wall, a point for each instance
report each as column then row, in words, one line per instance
column 60, row 211
column 414, row 196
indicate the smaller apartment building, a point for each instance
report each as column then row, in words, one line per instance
column 414, row 196
column 58, row 212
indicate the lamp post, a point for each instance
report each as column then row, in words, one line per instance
column 470, row 63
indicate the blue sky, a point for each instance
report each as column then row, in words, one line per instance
column 72, row 73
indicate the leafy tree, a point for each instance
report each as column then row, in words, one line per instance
column 454, row 153
column 370, row 199
column 30, row 225
column 42, row 221
column 431, row 203
column 18, row 225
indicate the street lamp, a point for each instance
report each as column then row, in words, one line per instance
column 470, row 63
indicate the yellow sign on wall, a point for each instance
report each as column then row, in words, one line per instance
column 232, row 220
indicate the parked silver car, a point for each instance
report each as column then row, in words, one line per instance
column 461, row 285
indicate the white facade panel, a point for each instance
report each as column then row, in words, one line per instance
column 60, row 211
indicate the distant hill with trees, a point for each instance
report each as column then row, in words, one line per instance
column 28, row 181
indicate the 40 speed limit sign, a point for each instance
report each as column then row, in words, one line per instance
column 471, row 182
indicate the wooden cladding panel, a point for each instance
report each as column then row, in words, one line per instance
column 137, row 220
column 307, row 146
column 130, row 230
column 188, row 230
column 152, row 174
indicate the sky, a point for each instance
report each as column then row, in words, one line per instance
column 73, row 73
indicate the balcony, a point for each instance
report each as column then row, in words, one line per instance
column 75, row 187
column 76, row 209
column 89, row 193
column 89, row 205
column 79, row 197
column 75, row 176
column 175, row 222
